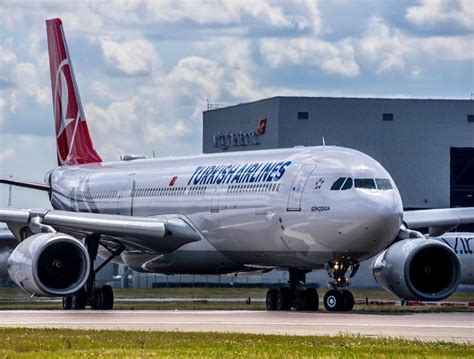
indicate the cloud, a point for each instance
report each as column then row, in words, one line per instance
column 20, row 85
column 6, row 154
column 384, row 46
column 442, row 12
column 448, row 48
column 390, row 49
column 161, row 111
column 132, row 58
column 298, row 14
column 8, row 61
column 333, row 58
column 145, row 69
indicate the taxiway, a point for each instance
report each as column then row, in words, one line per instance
column 458, row 327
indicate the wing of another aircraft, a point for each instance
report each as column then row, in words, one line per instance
column 439, row 221
column 157, row 234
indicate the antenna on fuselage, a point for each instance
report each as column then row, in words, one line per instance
column 324, row 142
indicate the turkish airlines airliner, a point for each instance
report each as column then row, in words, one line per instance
column 298, row 209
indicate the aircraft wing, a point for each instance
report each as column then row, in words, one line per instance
column 439, row 221
column 154, row 234
column 26, row 184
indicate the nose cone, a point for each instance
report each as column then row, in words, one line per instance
column 380, row 219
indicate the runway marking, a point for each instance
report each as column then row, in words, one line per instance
column 248, row 323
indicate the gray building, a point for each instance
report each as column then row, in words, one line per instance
column 427, row 145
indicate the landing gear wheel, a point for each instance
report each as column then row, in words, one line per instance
column 311, row 299
column 79, row 300
column 338, row 301
column 332, row 300
column 348, row 300
column 108, row 297
column 67, row 302
column 293, row 297
column 98, row 299
column 271, row 299
column 283, row 299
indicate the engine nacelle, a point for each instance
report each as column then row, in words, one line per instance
column 49, row 264
column 418, row 269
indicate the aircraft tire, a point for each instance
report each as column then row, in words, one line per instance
column 311, row 299
column 67, row 302
column 98, row 300
column 283, row 299
column 333, row 301
column 348, row 300
column 107, row 297
column 79, row 300
column 270, row 301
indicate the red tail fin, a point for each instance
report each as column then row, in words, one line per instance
column 74, row 144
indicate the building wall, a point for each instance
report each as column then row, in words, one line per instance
column 414, row 147
column 241, row 118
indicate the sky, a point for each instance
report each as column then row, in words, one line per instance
column 145, row 70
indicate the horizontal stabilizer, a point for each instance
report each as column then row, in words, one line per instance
column 26, row 184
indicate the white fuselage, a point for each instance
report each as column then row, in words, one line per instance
column 462, row 244
column 253, row 209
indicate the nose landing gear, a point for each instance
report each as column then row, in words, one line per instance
column 286, row 298
column 341, row 272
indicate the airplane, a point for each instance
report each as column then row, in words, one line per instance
column 462, row 244
column 298, row 209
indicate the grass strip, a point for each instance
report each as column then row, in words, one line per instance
column 58, row 343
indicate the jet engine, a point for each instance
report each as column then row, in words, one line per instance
column 418, row 269
column 49, row 264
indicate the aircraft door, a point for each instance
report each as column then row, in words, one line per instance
column 297, row 187
column 214, row 200
column 125, row 197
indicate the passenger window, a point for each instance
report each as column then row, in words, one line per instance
column 347, row 184
column 367, row 183
column 337, row 185
column 383, row 183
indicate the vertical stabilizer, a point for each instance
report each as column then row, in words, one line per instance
column 74, row 144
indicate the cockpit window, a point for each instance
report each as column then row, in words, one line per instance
column 347, row 184
column 366, row 183
column 383, row 183
column 337, row 185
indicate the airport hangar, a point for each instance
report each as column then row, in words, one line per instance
column 427, row 145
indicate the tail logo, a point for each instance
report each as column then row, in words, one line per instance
column 63, row 108
column 262, row 125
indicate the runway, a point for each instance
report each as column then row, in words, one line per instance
column 458, row 327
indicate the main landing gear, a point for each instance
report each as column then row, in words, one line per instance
column 286, row 298
column 91, row 294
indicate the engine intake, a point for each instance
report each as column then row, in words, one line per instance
column 418, row 269
column 49, row 264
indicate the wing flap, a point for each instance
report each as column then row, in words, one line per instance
column 155, row 234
